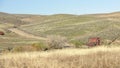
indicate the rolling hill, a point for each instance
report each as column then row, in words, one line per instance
column 77, row 28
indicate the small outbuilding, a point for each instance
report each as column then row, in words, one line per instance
column 2, row 33
column 94, row 41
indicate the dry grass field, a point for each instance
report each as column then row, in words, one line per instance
column 27, row 37
column 97, row 57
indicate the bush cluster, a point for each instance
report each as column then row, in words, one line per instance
column 56, row 42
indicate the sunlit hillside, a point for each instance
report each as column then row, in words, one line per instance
column 76, row 28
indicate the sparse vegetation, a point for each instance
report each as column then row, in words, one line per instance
column 56, row 42
column 74, row 27
column 38, row 46
column 99, row 57
column 58, row 31
column 77, row 43
column 41, row 46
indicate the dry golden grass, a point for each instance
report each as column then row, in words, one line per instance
column 98, row 57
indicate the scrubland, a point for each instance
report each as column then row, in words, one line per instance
column 20, row 51
column 97, row 57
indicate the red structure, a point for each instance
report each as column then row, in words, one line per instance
column 95, row 41
column 2, row 33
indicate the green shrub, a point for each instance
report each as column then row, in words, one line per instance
column 34, row 47
column 40, row 46
column 77, row 43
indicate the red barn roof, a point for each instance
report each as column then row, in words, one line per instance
column 94, row 41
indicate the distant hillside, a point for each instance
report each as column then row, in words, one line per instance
column 76, row 28
column 11, row 19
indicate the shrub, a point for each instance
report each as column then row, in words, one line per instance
column 40, row 46
column 56, row 42
column 19, row 49
column 34, row 47
column 77, row 43
column 26, row 48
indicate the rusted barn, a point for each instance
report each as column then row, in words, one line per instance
column 2, row 33
column 94, row 41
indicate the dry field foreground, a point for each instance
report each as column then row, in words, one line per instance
column 98, row 57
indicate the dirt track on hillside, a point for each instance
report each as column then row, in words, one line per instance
column 25, row 34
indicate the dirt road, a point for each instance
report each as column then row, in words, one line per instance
column 25, row 34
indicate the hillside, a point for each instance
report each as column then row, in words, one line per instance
column 77, row 28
